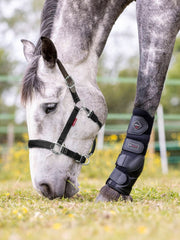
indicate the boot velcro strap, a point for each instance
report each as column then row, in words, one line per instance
column 118, row 176
column 133, row 146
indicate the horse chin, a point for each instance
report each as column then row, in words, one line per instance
column 71, row 189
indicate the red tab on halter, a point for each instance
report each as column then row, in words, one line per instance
column 75, row 120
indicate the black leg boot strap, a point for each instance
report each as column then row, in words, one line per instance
column 130, row 162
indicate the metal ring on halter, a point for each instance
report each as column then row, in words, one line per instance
column 86, row 110
column 86, row 163
column 57, row 148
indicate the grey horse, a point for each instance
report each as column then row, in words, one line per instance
column 73, row 35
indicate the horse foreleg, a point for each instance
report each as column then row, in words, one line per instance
column 158, row 24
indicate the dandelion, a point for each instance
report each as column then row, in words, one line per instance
column 113, row 212
column 142, row 229
column 15, row 211
column 107, row 228
column 114, row 137
column 70, row 215
column 25, row 137
column 20, row 216
column 7, row 194
column 24, row 210
column 57, row 226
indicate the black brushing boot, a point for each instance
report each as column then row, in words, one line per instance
column 130, row 162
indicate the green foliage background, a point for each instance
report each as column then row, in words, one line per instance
column 119, row 97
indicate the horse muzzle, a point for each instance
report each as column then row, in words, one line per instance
column 66, row 188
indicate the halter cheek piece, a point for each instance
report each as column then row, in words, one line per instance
column 58, row 148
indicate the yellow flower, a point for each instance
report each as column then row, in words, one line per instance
column 7, row 194
column 15, row 211
column 113, row 212
column 25, row 137
column 114, row 137
column 24, row 210
column 56, row 226
column 107, row 228
column 142, row 229
column 20, row 216
column 70, row 215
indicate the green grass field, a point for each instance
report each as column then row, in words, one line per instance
column 154, row 213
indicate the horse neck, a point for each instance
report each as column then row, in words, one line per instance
column 80, row 31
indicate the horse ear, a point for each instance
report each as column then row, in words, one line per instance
column 28, row 48
column 48, row 51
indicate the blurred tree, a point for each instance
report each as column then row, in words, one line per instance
column 6, row 68
column 27, row 13
column 5, row 64
column 132, row 68
column 171, row 94
column 119, row 96
column 18, row 19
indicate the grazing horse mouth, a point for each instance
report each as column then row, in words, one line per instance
column 71, row 189
column 67, row 191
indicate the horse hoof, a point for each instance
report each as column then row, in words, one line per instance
column 126, row 198
column 108, row 194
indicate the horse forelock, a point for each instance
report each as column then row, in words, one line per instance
column 31, row 81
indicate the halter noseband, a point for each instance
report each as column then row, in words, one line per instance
column 58, row 148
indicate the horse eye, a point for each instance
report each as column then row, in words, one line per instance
column 49, row 107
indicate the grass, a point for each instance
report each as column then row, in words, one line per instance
column 154, row 214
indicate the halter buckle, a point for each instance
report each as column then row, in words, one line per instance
column 88, row 112
column 57, row 148
column 71, row 83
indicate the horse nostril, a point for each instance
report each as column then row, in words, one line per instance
column 46, row 190
column 51, row 189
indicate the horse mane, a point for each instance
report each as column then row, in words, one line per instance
column 31, row 82
column 47, row 20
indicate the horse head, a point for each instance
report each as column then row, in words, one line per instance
column 49, row 103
